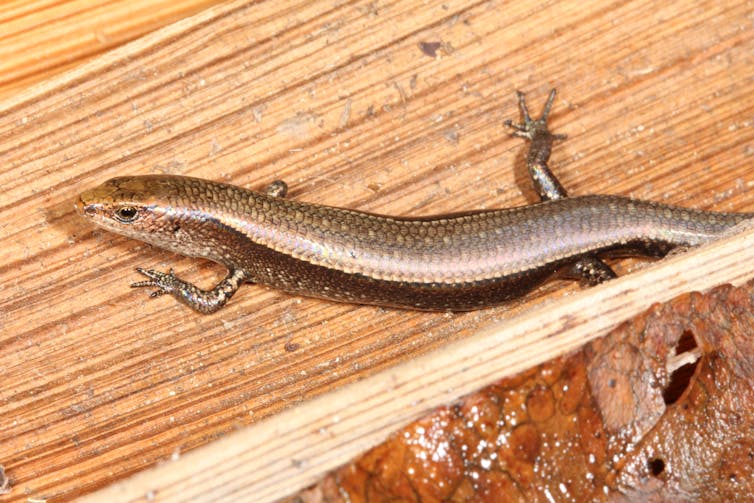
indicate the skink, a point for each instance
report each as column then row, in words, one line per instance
column 454, row 262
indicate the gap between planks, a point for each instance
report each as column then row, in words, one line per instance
column 293, row 449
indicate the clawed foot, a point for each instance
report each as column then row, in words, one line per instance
column 531, row 128
column 204, row 301
column 164, row 282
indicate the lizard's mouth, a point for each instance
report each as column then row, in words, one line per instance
column 84, row 209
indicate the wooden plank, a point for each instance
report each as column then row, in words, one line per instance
column 340, row 100
column 41, row 38
column 277, row 456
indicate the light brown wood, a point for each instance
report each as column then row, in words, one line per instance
column 275, row 457
column 41, row 38
column 100, row 382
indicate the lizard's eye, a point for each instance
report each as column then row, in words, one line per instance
column 126, row 214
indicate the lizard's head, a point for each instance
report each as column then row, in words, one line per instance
column 159, row 209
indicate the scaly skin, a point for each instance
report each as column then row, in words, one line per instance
column 452, row 262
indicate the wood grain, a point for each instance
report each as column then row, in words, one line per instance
column 41, row 38
column 340, row 101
